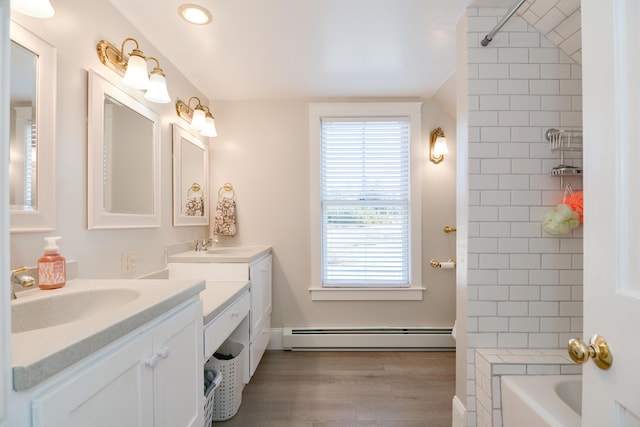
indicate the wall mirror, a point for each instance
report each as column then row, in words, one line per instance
column 124, row 159
column 31, row 132
column 190, row 179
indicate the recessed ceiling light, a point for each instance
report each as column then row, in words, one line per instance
column 195, row 14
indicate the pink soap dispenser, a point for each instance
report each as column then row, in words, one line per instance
column 52, row 267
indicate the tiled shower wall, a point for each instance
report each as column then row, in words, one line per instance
column 524, row 286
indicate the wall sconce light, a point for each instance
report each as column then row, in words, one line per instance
column 34, row 8
column 199, row 118
column 133, row 69
column 438, row 146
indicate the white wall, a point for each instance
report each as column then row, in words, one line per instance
column 75, row 30
column 524, row 286
column 263, row 150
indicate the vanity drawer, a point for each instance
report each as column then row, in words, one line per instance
column 219, row 329
column 258, row 346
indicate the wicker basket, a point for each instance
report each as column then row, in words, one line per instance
column 209, row 397
column 229, row 394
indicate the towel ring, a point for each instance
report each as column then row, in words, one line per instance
column 228, row 187
column 194, row 190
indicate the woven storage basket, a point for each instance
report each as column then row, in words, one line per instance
column 229, row 392
column 209, row 397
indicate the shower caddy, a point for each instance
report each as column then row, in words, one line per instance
column 565, row 140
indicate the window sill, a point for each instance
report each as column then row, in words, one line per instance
column 368, row 294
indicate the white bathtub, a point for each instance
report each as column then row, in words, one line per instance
column 541, row 400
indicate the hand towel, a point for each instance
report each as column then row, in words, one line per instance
column 194, row 205
column 225, row 220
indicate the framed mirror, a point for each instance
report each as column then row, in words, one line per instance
column 190, row 179
column 124, row 159
column 32, row 180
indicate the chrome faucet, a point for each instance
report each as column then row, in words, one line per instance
column 203, row 244
column 20, row 279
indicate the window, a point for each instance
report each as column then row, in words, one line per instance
column 365, row 201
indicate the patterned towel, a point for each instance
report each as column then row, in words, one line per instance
column 225, row 219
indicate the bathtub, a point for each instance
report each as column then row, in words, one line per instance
column 541, row 400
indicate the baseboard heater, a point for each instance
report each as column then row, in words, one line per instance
column 386, row 338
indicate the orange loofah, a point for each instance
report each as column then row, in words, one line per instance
column 575, row 201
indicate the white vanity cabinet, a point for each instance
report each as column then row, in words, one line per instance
column 152, row 377
column 260, row 315
column 258, row 272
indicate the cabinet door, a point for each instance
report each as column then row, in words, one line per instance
column 260, row 274
column 178, row 375
column 114, row 391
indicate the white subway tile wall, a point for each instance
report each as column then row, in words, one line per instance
column 524, row 285
column 491, row 364
column 558, row 21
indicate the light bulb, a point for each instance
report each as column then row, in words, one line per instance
column 157, row 91
column 198, row 120
column 209, row 127
column 136, row 75
column 440, row 147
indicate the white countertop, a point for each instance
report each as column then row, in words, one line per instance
column 244, row 254
column 40, row 353
column 218, row 296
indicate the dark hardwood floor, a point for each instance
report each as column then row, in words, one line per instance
column 344, row 389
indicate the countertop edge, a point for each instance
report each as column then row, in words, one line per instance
column 208, row 317
column 193, row 257
column 25, row 377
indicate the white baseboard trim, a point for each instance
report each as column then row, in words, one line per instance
column 432, row 339
column 458, row 415
column 368, row 338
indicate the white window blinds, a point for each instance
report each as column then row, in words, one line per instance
column 365, row 199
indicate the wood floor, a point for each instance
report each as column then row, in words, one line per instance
column 344, row 389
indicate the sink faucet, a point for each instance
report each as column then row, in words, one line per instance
column 20, row 279
column 203, row 244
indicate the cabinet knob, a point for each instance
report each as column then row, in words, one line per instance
column 152, row 361
column 164, row 352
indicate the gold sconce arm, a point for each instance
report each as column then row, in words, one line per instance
column 134, row 70
column 203, row 121
column 185, row 111
column 156, row 69
column 135, row 49
column 111, row 57
column 116, row 59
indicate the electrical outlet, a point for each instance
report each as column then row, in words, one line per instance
column 128, row 262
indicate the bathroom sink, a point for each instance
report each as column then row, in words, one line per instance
column 31, row 313
column 226, row 251
column 51, row 330
column 222, row 254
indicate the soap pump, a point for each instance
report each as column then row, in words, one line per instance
column 52, row 267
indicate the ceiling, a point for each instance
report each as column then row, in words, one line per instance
column 298, row 49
